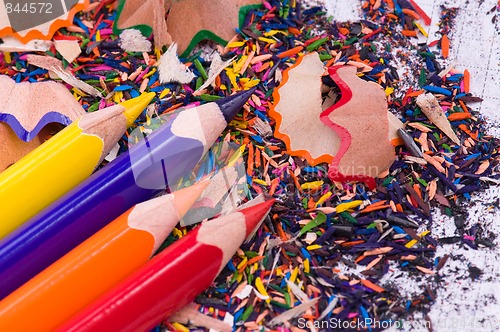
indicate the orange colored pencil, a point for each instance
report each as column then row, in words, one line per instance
column 171, row 279
column 86, row 272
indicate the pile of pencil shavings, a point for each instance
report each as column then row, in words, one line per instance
column 328, row 246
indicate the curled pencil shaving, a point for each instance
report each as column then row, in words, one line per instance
column 57, row 70
column 12, row 148
column 161, row 36
column 297, row 118
column 29, row 107
column 433, row 111
column 137, row 14
column 214, row 20
column 310, row 137
column 360, row 119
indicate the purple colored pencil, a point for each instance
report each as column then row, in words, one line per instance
column 145, row 170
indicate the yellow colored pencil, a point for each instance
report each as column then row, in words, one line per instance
column 65, row 160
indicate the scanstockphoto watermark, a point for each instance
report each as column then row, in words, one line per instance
column 458, row 324
column 360, row 324
column 466, row 323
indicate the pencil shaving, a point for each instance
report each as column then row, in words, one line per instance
column 137, row 14
column 360, row 119
column 431, row 108
column 28, row 107
column 297, row 118
column 69, row 49
column 56, row 67
column 171, row 69
column 190, row 315
column 11, row 44
column 216, row 67
column 217, row 17
column 18, row 23
column 132, row 40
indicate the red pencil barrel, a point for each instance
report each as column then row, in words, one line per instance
column 171, row 280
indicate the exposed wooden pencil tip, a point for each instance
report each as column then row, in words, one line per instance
column 159, row 216
column 135, row 106
column 255, row 214
column 186, row 197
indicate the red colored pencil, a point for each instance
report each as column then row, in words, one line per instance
column 171, row 279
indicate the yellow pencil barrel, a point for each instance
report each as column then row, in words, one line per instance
column 61, row 163
column 46, row 174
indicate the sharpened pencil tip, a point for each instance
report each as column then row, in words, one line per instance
column 135, row 106
column 186, row 197
column 231, row 105
column 255, row 214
